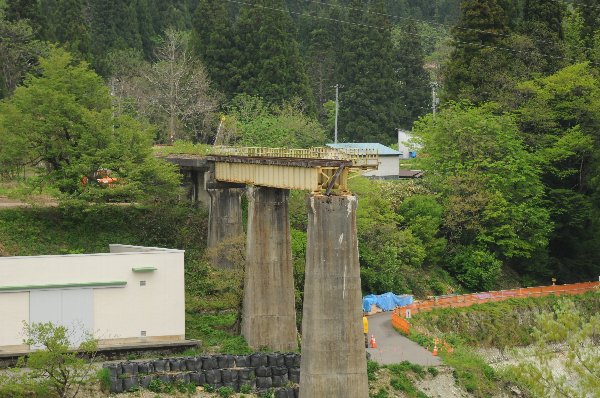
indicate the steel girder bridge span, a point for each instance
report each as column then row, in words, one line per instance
column 333, row 355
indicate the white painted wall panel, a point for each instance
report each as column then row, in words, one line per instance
column 14, row 309
column 117, row 312
column 388, row 166
column 78, row 313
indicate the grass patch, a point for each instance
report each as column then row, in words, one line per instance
column 502, row 324
column 216, row 331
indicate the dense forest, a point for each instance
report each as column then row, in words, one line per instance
column 511, row 157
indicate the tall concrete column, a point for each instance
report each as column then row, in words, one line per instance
column 269, row 315
column 333, row 347
column 224, row 218
column 200, row 193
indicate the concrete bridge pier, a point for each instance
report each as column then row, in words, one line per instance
column 269, row 316
column 333, row 349
column 224, row 217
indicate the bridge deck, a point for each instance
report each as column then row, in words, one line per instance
column 314, row 169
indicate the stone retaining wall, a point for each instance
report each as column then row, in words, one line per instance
column 260, row 371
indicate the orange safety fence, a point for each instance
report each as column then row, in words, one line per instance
column 400, row 315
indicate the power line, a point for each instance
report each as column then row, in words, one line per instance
column 439, row 24
column 465, row 43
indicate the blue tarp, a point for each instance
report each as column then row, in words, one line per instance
column 387, row 301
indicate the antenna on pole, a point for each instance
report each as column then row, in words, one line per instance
column 337, row 109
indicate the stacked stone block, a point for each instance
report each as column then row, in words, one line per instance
column 259, row 371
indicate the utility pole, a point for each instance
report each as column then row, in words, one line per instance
column 434, row 99
column 337, row 108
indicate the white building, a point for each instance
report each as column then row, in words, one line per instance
column 406, row 149
column 131, row 295
column 389, row 159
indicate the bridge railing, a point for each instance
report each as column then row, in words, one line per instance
column 362, row 158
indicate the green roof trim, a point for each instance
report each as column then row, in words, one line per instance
column 62, row 286
column 144, row 269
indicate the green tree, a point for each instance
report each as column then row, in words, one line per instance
column 64, row 371
column 559, row 119
column 411, row 74
column 61, row 119
column 251, row 122
column 212, row 42
column 481, row 28
column 369, row 103
column 321, row 45
column 543, row 23
column 580, row 362
column 489, row 184
column 269, row 63
column 18, row 50
column 72, row 28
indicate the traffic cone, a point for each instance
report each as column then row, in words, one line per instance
column 373, row 342
column 435, row 352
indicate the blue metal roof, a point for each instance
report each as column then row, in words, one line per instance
column 381, row 149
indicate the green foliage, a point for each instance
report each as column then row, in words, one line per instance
column 209, row 388
column 482, row 24
column 62, row 118
column 405, row 366
column 65, row 372
column 212, row 41
column 225, row 392
column 505, row 324
column 216, row 330
column 20, row 385
column 103, row 376
column 401, row 378
column 252, row 122
column 581, row 361
column 245, row 389
column 381, row 394
column 269, row 63
column 372, row 368
column 370, row 108
column 472, row 372
column 559, row 118
column 19, row 49
column 411, row 75
column 490, row 187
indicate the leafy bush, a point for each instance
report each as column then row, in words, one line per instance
column 225, row 392
column 245, row 388
column 372, row 368
column 65, row 371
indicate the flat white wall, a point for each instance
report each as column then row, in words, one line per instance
column 389, row 165
column 14, row 309
column 119, row 312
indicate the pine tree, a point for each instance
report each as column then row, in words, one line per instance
column 71, row 28
column 23, row 9
column 212, row 42
column 543, row 24
column 590, row 11
column 369, row 102
column 410, row 72
column 321, row 43
column 269, row 64
column 481, row 27
column 546, row 13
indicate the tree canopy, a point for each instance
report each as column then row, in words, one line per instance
column 62, row 119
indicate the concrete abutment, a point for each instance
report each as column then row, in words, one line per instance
column 269, row 317
column 333, row 351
